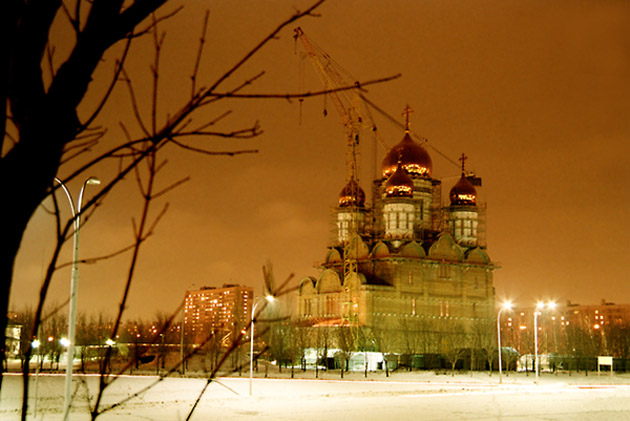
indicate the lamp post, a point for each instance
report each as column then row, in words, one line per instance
column 539, row 307
column 270, row 299
column 35, row 345
column 74, row 285
column 506, row 306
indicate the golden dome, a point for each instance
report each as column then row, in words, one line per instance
column 414, row 159
column 399, row 184
column 463, row 193
column 352, row 195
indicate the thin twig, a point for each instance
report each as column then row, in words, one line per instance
column 150, row 26
column 171, row 187
column 202, row 41
column 117, row 72
column 157, row 45
column 134, row 103
column 214, row 153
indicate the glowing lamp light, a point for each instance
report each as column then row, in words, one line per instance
column 270, row 299
column 109, row 342
column 507, row 305
column 64, row 342
column 35, row 344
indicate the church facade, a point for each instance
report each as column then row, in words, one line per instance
column 410, row 270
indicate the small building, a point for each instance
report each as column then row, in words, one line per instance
column 13, row 333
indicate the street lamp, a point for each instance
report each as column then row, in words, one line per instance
column 539, row 307
column 74, row 286
column 270, row 299
column 506, row 306
column 35, row 345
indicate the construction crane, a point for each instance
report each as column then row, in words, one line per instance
column 354, row 115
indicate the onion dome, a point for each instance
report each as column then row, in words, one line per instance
column 414, row 159
column 399, row 184
column 463, row 193
column 352, row 195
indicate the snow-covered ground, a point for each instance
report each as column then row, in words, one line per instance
column 418, row 395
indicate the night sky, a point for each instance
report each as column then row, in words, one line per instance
column 535, row 93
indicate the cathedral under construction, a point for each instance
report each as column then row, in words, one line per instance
column 411, row 268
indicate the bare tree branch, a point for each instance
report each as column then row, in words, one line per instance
column 202, row 41
column 134, row 103
column 117, row 71
column 358, row 86
column 171, row 187
column 207, row 152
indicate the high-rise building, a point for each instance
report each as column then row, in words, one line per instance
column 211, row 310
column 408, row 267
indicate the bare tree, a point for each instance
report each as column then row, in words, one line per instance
column 345, row 342
column 384, row 338
column 321, row 339
column 618, row 333
column 163, row 325
column 47, row 123
column 454, row 341
column 483, row 338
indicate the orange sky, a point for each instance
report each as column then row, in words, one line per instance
column 536, row 93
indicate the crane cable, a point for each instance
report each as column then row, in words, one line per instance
column 423, row 139
column 341, row 70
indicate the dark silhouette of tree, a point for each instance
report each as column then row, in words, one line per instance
column 47, row 122
column 384, row 337
column 320, row 337
column 345, row 342
column 454, row 341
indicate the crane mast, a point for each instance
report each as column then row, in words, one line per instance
column 347, row 103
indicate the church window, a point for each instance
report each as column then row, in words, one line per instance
column 444, row 271
column 307, row 309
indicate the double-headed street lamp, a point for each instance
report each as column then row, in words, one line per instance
column 74, row 285
column 506, row 306
column 270, row 299
column 539, row 307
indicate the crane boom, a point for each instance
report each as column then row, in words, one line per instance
column 346, row 107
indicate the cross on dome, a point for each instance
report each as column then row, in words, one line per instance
column 407, row 113
column 463, row 161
